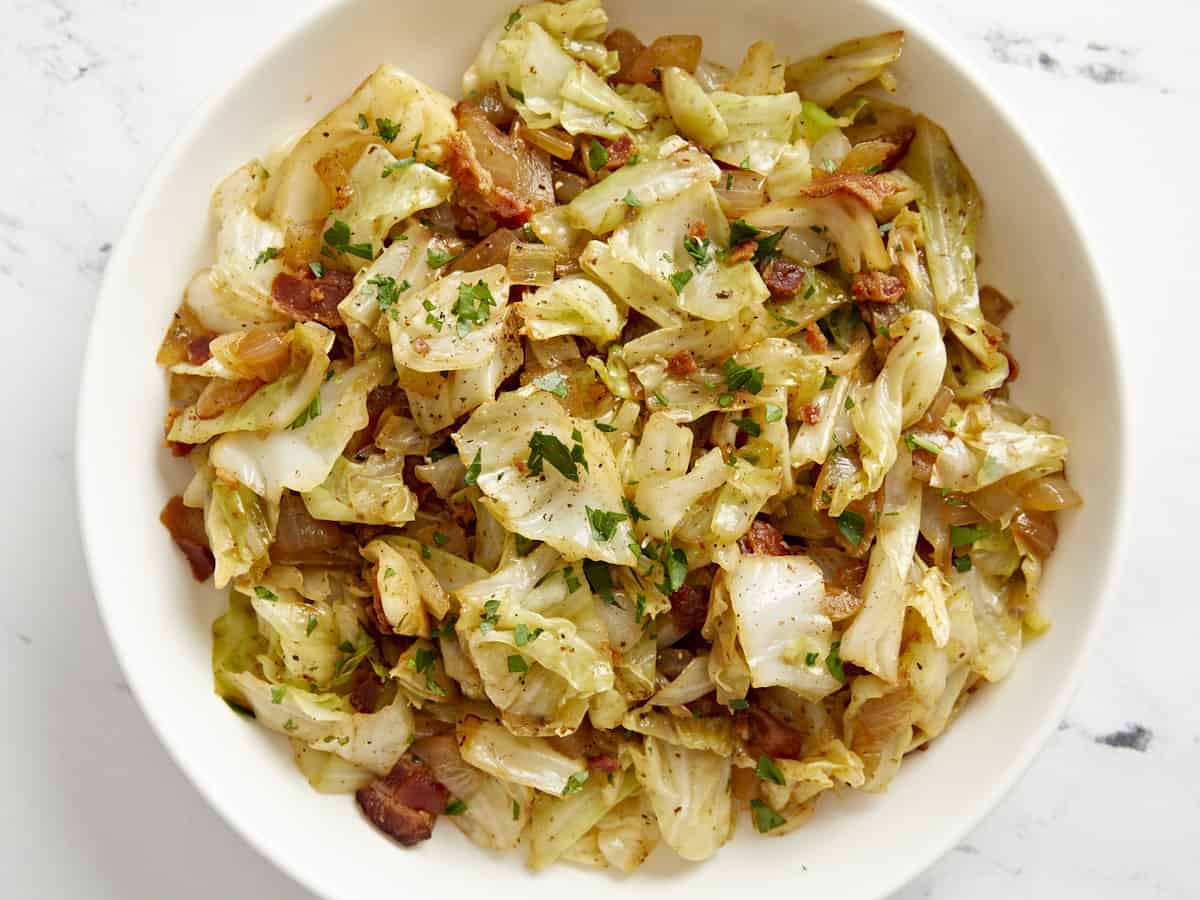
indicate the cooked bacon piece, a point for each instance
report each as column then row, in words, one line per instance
column 364, row 695
column 682, row 50
column 763, row 537
column 815, row 338
column 872, row 190
column 605, row 762
column 406, row 802
column 308, row 298
column 682, row 363
column 197, row 350
column 770, row 736
column 619, row 152
column 743, row 252
column 783, row 278
column 878, row 286
column 810, row 413
column 186, row 527
column 500, row 181
column 689, row 608
column 628, row 48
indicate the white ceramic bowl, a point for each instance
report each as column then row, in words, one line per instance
column 856, row 846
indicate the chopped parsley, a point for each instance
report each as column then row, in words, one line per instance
column 446, row 629
column 742, row 378
column 774, row 412
column 387, row 293
column 513, row 18
column 572, row 580
column 631, row 201
column 950, row 500
column 810, row 658
column 440, row 539
column 872, row 169
column 575, row 783
column 639, row 609
column 962, row 563
column 635, row 514
column 266, row 256
column 423, row 663
column 515, row 94
column 829, row 166
column 833, row 662
column 316, row 268
column 830, row 381
column 523, row 634
column 916, row 442
column 435, row 257
column 432, row 317
column 749, row 426
column 472, row 306
column 605, row 427
column 699, row 249
column 387, row 129
column 524, row 545
column 263, row 593
column 597, row 156
column 310, row 412
column 491, row 616
column 740, row 232
column 765, row 818
column 517, row 664
column 362, row 122
column 725, row 401
column 455, row 807
column 768, row 248
column 966, row 535
column 767, row 770
column 278, row 693
column 680, row 280
column 310, row 626
column 849, row 404
column 289, row 725
column 337, row 237
column 604, row 523
column 674, row 564
column 739, row 705
column 554, row 382
column 851, row 525
column 474, row 469
column 516, row 807
column 599, row 579
column 545, row 447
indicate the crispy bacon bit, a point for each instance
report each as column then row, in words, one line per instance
column 605, row 762
column 763, row 537
column 689, row 608
column 681, row 50
column 628, row 48
column 421, row 346
column 810, row 413
column 872, row 190
column 500, row 181
column 619, row 152
column 682, row 363
column 406, row 802
column 815, row 338
column 783, row 278
column 197, row 350
column 881, row 287
column 770, row 736
column 364, row 695
column 186, row 527
column 308, row 298
column 743, row 252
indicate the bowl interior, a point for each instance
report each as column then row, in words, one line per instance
column 159, row 619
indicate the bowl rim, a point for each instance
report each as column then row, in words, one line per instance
column 983, row 802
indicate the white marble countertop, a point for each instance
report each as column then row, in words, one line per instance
column 94, row 91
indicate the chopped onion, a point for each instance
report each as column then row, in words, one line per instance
column 1036, row 533
column 554, row 141
column 531, row 263
column 1049, row 494
column 491, row 251
column 222, row 394
column 261, row 353
column 741, row 192
column 568, row 186
column 682, row 50
column 996, row 502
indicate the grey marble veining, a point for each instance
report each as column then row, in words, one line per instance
column 94, row 92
